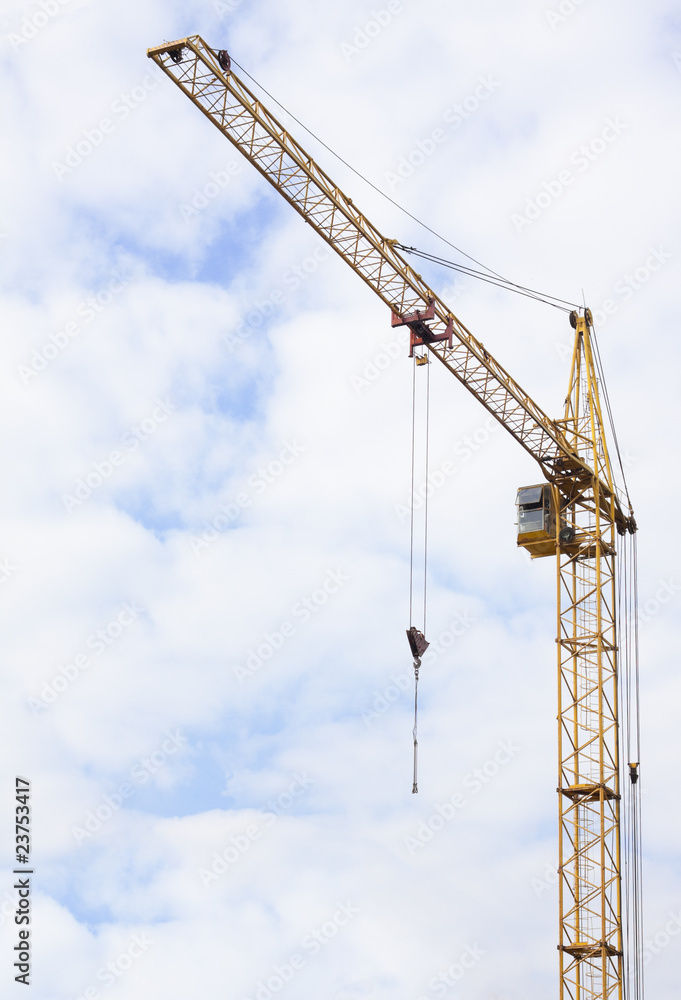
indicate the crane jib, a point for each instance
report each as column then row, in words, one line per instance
column 209, row 80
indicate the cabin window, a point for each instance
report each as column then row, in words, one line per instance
column 533, row 509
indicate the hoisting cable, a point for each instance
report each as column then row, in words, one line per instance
column 417, row 660
column 417, row 666
column 637, row 844
column 425, row 510
column 360, row 175
column 495, row 279
column 417, row 640
column 630, row 749
column 551, row 300
column 601, row 376
column 411, row 504
column 635, row 724
column 627, row 642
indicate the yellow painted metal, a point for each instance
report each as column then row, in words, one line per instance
column 573, row 456
column 588, row 782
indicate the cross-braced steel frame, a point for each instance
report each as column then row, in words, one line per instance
column 588, row 790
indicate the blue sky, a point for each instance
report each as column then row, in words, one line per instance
column 225, row 598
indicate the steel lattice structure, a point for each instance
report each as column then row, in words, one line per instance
column 589, row 849
column 573, row 456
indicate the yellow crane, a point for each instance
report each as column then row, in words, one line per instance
column 575, row 514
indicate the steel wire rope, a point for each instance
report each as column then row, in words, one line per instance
column 360, row 175
column 412, row 520
column 634, row 545
column 414, row 787
column 623, row 643
column 427, row 488
column 501, row 282
column 627, row 641
column 417, row 660
column 510, row 286
column 625, row 689
column 497, row 280
column 415, row 784
column 411, row 503
column 608, row 408
column 637, row 847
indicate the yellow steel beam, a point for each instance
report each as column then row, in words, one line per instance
column 588, row 783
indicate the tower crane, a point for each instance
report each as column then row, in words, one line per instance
column 576, row 514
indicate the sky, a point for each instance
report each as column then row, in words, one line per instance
column 204, row 557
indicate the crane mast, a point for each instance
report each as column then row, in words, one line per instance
column 591, row 949
column 578, row 506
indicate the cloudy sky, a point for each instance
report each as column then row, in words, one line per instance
column 204, row 561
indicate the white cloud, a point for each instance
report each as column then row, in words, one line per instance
column 248, row 335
